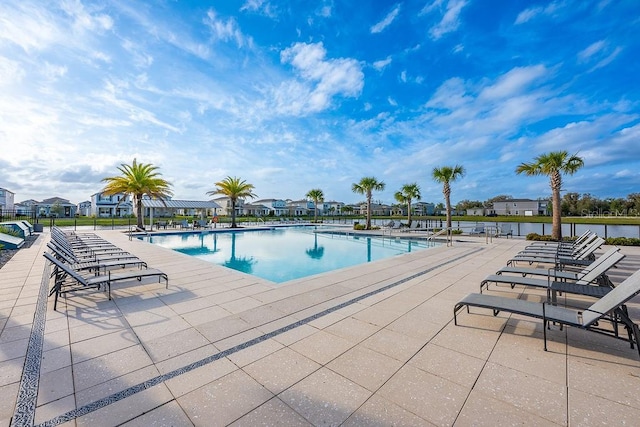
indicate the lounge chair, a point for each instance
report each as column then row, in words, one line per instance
column 566, row 273
column 563, row 244
column 90, row 252
column 609, row 307
column 592, row 283
column 572, row 250
column 505, row 230
column 63, row 271
column 585, row 257
column 477, row 230
column 94, row 264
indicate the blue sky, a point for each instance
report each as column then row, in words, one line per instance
column 296, row 95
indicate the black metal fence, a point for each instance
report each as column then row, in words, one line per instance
column 15, row 215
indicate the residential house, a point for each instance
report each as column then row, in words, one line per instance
column 423, row 208
column 26, row 207
column 275, row 207
column 302, row 207
column 225, row 205
column 475, row 212
column 118, row 205
column 84, row 208
column 332, row 208
column 56, row 207
column 377, row 209
column 6, row 200
column 521, row 207
column 255, row 209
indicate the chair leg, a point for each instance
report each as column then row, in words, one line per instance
column 545, row 323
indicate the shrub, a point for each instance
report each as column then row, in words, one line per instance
column 622, row 241
column 359, row 226
column 545, row 237
column 10, row 231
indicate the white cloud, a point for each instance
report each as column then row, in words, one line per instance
column 28, row 26
column 53, row 72
column 450, row 20
column 606, row 61
column 322, row 79
column 532, row 12
column 325, row 11
column 591, row 50
column 262, row 7
column 381, row 64
column 226, row 30
column 386, row 21
column 11, row 72
column 599, row 51
column 514, row 82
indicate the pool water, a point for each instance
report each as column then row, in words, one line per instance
column 286, row 253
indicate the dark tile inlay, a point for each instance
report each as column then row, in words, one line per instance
column 28, row 392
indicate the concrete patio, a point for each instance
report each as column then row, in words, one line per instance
column 372, row 345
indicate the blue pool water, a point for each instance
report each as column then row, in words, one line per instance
column 287, row 253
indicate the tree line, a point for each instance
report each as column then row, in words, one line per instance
column 139, row 179
column 573, row 204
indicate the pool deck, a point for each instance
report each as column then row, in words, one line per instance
column 373, row 345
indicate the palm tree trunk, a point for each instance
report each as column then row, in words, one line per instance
column 448, row 203
column 556, row 229
column 233, row 213
column 368, row 212
column 446, row 190
column 138, row 199
column 409, row 213
column 315, row 211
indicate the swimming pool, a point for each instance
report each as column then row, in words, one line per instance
column 286, row 253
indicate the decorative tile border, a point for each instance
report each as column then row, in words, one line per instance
column 106, row 401
column 28, row 392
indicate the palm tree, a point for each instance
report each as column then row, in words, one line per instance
column 446, row 175
column 234, row 188
column 553, row 164
column 366, row 186
column 317, row 196
column 138, row 179
column 407, row 193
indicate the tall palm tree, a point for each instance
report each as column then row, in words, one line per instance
column 445, row 175
column 138, row 179
column 407, row 193
column 367, row 186
column 234, row 188
column 318, row 197
column 553, row 164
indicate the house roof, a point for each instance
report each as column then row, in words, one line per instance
column 180, row 204
column 53, row 200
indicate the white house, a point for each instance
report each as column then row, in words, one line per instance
column 6, row 200
column 275, row 207
column 225, row 205
column 117, row 205
column 521, row 207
